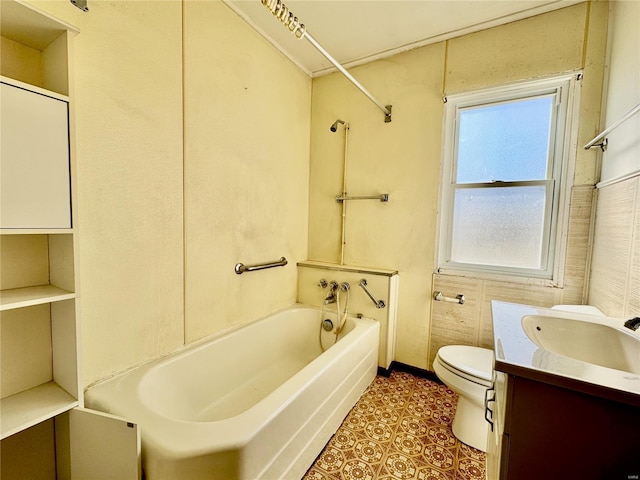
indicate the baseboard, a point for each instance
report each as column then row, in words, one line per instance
column 403, row 367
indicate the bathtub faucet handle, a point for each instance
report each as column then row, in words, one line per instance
column 331, row 296
column 322, row 283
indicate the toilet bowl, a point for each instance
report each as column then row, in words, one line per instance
column 468, row 371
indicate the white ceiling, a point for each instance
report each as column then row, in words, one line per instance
column 358, row 31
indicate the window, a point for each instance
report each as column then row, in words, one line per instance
column 506, row 153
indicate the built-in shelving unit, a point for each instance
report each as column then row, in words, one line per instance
column 44, row 430
column 39, row 327
column 38, row 287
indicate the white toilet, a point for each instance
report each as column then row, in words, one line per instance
column 468, row 371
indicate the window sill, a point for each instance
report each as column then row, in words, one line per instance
column 497, row 277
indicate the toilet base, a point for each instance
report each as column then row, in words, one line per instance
column 469, row 425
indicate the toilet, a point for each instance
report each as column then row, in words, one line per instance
column 468, row 371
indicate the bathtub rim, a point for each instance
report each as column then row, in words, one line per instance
column 155, row 372
column 206, row 339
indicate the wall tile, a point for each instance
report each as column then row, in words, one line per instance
column 612, row 247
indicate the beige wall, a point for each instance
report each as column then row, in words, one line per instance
column 615, row 272
column 247, row 112
column 402, row 158
column 126, row 94
column 623, row 91
column 152, row 206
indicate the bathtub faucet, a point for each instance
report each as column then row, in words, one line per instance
column 331, row 296
column 633, row 323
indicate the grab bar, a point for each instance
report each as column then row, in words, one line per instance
column 241, row 267
column 440, row 297
column 383, row 197
column 377, row 303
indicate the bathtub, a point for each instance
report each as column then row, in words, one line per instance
column 259, row 402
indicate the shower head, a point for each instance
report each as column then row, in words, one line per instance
column 334, row 127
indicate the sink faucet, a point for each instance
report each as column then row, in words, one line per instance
column 633, row 323
column 331, row 296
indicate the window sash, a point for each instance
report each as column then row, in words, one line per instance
column 560, row 162
column 553, row 93
column 544, row 258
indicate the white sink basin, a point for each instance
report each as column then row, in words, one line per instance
column 589, row 341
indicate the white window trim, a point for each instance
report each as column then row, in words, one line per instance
column 569, row 88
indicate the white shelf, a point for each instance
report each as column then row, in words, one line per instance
column 31, row 26
column 29, row 296
column 33, row 88
column 26, row 409
column 35, row 231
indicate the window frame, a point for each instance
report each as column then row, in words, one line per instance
column 566, row 90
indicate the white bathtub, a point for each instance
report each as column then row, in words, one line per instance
column 259, row 402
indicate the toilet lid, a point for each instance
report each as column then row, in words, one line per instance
column 474, row 361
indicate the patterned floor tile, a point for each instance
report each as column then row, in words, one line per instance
column 399, row 429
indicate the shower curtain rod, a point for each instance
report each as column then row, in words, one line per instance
column 282, row 13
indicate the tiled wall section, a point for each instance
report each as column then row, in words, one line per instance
column 615, row 271
column 470, row 323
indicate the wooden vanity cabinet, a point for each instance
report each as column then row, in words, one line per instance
column 547, row 431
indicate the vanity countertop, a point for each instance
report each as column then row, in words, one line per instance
column 517, row 354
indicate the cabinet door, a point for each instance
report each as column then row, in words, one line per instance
column 34, row 160
column 97, row 446
column 496, row 435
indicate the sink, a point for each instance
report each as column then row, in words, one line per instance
column 578, row 350
column 589, row 341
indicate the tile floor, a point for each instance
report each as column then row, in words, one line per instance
column 399, row 429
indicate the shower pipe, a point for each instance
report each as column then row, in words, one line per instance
column 344, row 191
column 282, row 13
